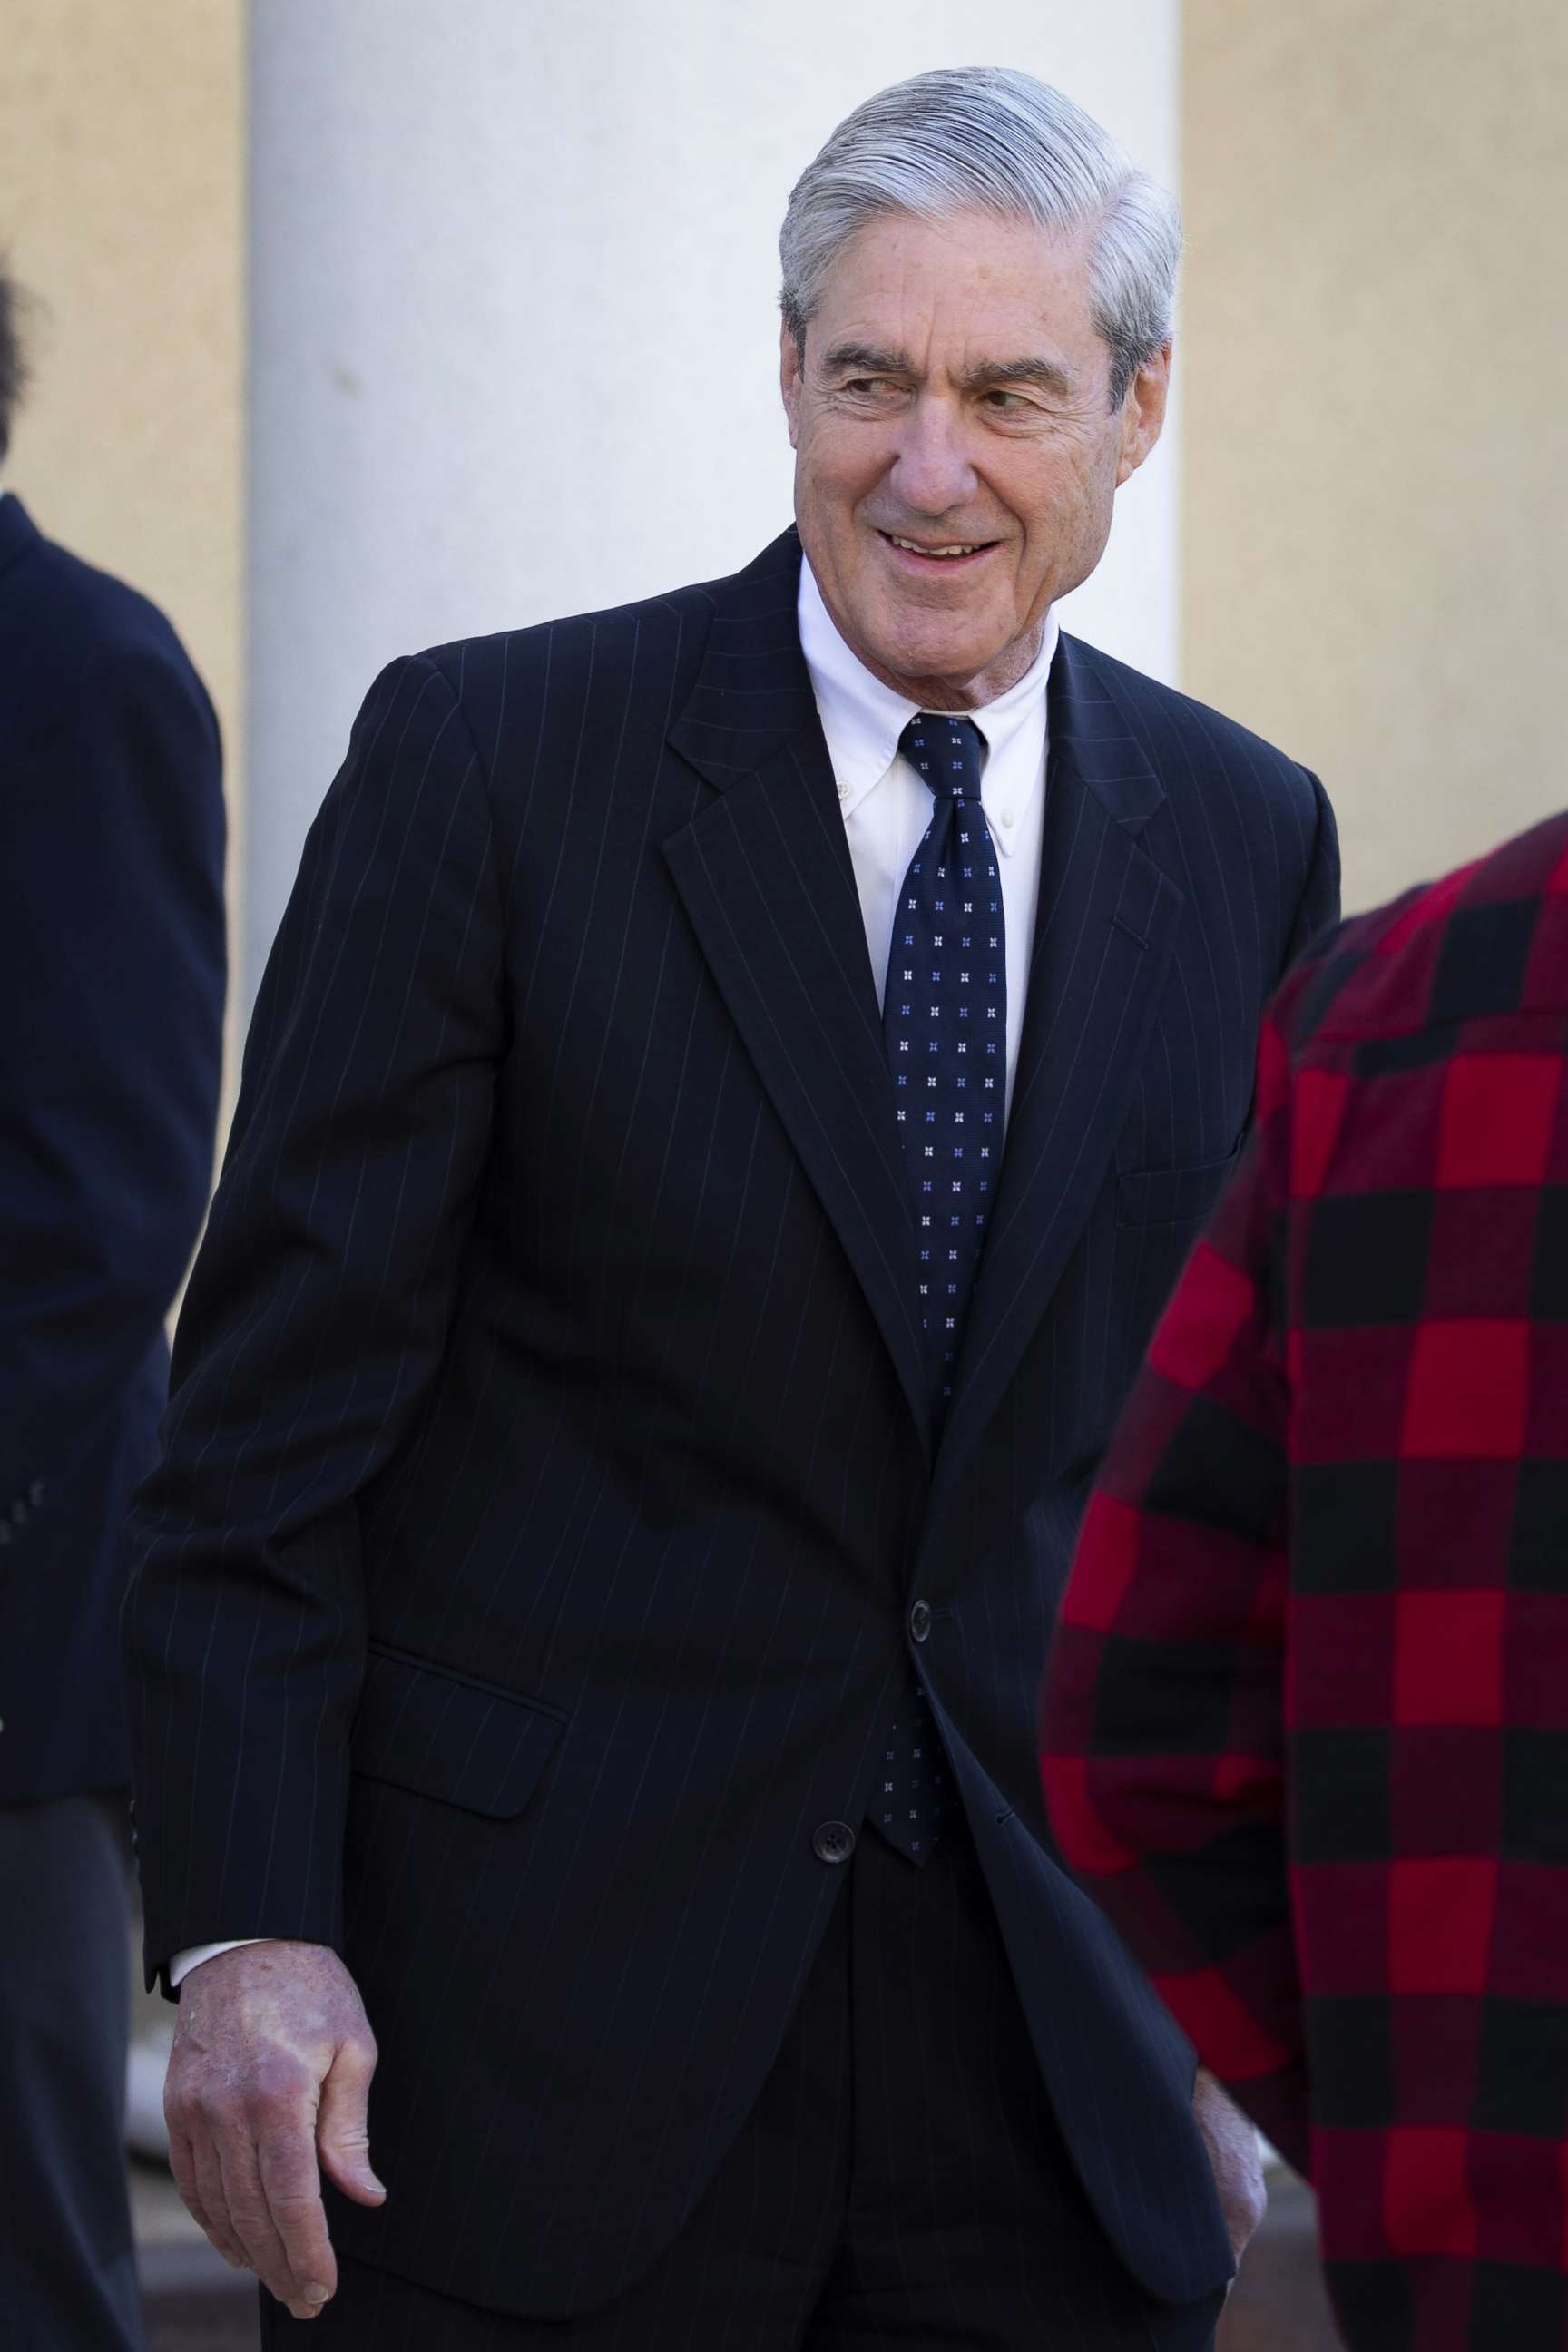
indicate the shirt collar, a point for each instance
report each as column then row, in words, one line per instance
column 862, row 720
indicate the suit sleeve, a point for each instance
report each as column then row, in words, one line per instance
column 1161, row 1728
column 112, row 973
column 1319, row 910
column 315, row 1322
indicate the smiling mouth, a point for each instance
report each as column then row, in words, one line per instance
column 948, row 552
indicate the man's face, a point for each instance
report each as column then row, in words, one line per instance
column 955, row 392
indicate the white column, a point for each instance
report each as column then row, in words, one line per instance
column 514, row 324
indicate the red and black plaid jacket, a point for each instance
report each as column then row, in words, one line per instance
column 1306, row 1727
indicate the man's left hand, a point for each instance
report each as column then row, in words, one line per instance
column 1232, row 2143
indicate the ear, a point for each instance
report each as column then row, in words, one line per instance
column 1143, row 412
column 790, row 382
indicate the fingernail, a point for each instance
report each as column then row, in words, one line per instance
column 304, row 2311
column 314, row 2293
column 376, row 2188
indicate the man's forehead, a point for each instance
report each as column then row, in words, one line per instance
column 1000, row 287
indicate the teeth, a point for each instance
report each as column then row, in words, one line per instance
column 932, row 550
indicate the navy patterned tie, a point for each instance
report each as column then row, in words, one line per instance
column 945, row 1016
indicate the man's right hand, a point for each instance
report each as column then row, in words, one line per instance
column 269, row 2084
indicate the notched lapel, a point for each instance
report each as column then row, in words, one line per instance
column 765, row 876
column 1104, row 935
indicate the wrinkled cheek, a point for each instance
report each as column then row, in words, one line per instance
column 1080, row 527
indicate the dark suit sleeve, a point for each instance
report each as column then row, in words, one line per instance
column 315, row 1321
column 111, row 974
column 1319, row 909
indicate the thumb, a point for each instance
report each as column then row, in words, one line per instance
column 343, row 2125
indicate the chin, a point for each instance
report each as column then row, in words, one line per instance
column 935, row 654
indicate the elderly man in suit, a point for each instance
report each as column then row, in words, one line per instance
column 733, row 1088
column 1308, row 1707
column 111, row 988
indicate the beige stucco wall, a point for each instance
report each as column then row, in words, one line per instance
column 120, row 209
column 1375, row 481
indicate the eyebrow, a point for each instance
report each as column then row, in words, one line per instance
column 866, row 359
column 1050, row 374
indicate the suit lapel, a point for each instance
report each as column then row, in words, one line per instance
column 1104, row 938
column 765, row 876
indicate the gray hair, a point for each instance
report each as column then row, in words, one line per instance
column 987, row 139
column 14, row 370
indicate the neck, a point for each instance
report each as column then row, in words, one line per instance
column 954, row 694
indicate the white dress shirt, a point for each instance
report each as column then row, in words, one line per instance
column 887, row 809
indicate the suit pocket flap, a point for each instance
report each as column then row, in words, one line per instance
column 464, row 1742
column 1172, row 1196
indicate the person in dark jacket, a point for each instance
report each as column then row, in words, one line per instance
column 660, row 1316
column 112, row 995
column 1306, row 1732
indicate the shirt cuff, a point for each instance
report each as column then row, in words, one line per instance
column 181, row 1964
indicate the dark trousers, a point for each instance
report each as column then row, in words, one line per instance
column 67, row 2275
column 901, row 2181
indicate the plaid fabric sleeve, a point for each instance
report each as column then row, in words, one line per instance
column 1162, row 1726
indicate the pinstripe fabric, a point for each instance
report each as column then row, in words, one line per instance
column 582, row 1450
column 902, row 2181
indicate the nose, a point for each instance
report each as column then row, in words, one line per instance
column 932, row 472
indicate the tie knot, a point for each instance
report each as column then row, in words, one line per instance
column 946, row 753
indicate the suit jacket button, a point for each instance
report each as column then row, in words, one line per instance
column 920, row 1621
column 833, row 1841
column 36, row 1494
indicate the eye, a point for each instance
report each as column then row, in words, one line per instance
column 1003, row 404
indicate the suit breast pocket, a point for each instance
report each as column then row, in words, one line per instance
column 425, row 1727
column 1172, row 1196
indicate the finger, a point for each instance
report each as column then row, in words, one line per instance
column 252, row 2220
column 183, row 2164
column 291, row 2184
column 342, row 2124
column 214, row 2202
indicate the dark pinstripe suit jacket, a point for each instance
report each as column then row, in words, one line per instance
column 547, row 1479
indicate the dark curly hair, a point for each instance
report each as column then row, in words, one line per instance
column 13, row 358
